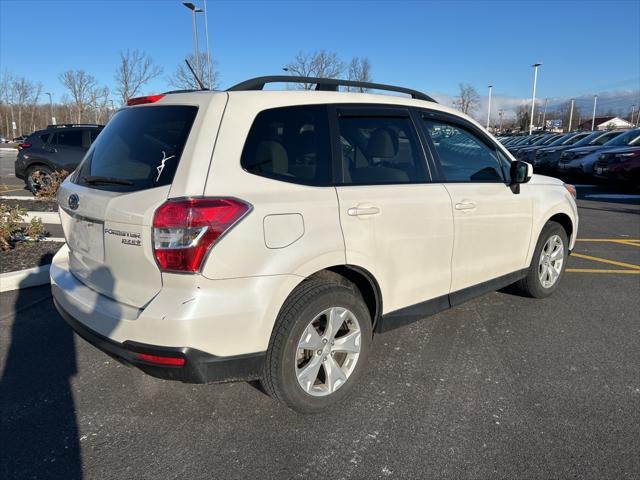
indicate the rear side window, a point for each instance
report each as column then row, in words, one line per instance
column 463, row 156
column 71, row 138
column 380, row 150
column 290, row 144
column 140, row 147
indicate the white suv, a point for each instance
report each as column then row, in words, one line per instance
column 248, row 234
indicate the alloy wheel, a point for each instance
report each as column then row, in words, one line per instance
column 551, row 261
column 328, row 351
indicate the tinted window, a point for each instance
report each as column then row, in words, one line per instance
column 463, row 156
column 71, row 138
column 627, row 138
column 604, row 138
column 139, row 145
column 379, row 150
column 290, row 144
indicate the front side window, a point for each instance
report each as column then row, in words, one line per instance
column 379, row 150
column 463, row 156
column 290, row 144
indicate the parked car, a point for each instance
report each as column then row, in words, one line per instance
column 582, row 149
column 19, row 139
column 539, row 140
column 529, row 140
column 584, row 164
column 528, row 154
column 272, row 241
column 56, row 148
column 621, row 164
column 546, row 158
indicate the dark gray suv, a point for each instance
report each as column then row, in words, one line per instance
column 56, row 148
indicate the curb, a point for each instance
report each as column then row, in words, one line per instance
column 51, row 218
column 16, row 197
column 30, row 277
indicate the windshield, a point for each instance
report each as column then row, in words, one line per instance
column 574, row 139
column 604, row 138
column 561, row 140
column 588, row 139
column 138, row 149
column 627, row 138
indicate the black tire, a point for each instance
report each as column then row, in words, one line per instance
column 31, row 185
column 531, row 285
column 306, row 301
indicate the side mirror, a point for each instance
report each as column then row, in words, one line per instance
column 521, row 172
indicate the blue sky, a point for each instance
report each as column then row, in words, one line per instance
column 585, row 46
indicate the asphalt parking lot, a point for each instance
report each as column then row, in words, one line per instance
column 501, row 387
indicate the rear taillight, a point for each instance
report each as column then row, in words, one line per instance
column 185, row 230
column 143, row 100
column 23, row 145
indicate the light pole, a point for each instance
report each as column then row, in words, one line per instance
column 53, row 119
column 500, row 114
column 194, row 10
column 571, row 115
column 489, row 109
column 633, row 109
column 544, row 114
column 593, row 117
column 533, row 97
column 206, row 36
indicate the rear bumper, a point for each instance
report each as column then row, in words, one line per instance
column 199, row 367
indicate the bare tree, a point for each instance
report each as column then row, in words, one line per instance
column 359, row 70
column 183, row 78
column 468, row 99
column 99, row 100
column 523, row 115
column 136, row 68
column 81, row 86
column 317, row 64
column 24, row 95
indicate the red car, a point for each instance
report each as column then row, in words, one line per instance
column 621, row 164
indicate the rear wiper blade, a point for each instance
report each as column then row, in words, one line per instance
column 115, row 181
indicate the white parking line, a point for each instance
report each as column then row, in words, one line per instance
column 614, row 196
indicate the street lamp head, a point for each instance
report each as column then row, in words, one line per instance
column 286, row 69
column 490, row 86
column 192, row 6
column 536, row 64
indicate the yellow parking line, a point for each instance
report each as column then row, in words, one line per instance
column 598, row 270
column 633, row 243
column 11, row 190
column 604, row 260
column 607, row 240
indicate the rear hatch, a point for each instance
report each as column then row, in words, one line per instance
column 108, row 203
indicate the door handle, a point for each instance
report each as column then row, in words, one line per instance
column 358, row 211
column 465, row 206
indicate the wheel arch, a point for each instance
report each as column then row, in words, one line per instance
column 363, row 280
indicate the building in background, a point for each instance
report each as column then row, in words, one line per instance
column 605, row 123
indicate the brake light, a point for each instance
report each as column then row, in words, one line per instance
column 143, row 100
column 185, row 230
column 161, row 360
column 23, row 145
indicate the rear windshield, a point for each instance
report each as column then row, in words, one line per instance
column 140, row 148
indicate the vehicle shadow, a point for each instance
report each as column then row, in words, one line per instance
column 39, row 430
column 40, row 434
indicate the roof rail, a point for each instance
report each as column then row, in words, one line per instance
column 326, row 84
column 69, row 125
